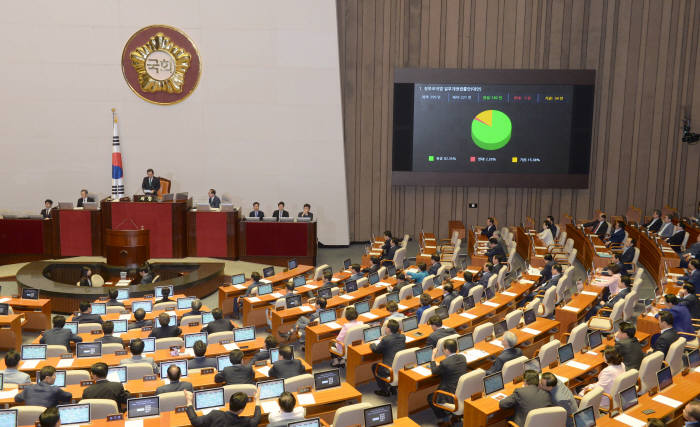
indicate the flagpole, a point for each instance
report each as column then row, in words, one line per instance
column 117, row 169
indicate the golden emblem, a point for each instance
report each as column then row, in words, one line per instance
column 161, row 65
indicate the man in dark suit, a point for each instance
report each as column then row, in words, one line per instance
column 286, row 366
column 688, row 299
column 104, row 389
column 214, row 200
column 628, row 346
column 140, row 316
column 280, row 212
column 667, row 336
column 627, row 255
column 676, row 239
column 526, row 398
column 150, row 184
column 666, row 229
column 655, row 224
column 693, row 276
column 86, row 315
column 468, row 284
column 486, row 275
column 84, row 198
column 448, row 296
column 387, row 239
column 691, row 414
column 599, row 226
column 256, row 212
column 452, row 367
column 108, row 338
column 618, row 234
column 58, row 335
column 556, row 275
column 112, row 301
column 136, row 347
column 494, row 249
column 200, row 360
column 546, row 272
column 44, row 393
column 165, row 330
column 388, row 255
column 237, row 373
column 510, row 352
column 439, row 331
column 490, row 227
column 392, row 342
column 217, row 418
column 219, row 324
column 195, row 308
column 434, row 264
column 46, row 212
column 264, row 353
column 146, row 276
column 306, row 212
column 625, row 289
column 85, row 277
column 175, row 383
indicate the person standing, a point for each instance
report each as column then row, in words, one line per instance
column 214, row 200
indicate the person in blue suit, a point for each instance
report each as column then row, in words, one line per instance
column 681, row 315
column 618, row 234
column 44, row 393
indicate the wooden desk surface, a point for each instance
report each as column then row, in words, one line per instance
column 275, row 279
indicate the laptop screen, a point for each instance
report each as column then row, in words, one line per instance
column 493, row 383
column 74, row 414
column 409, row 323
column 8, row 417
column 172, row 321
column 362, row 307
column 391, row 270
column 147, row 306
column 28, row 293
column 238, row 279
column 373, row 278
column 149, row 345
column 468, row 302
column 566, row 353
column 465, row 342
column 159, row 291
column 4, row 309
column 275, row 354
column 442, row 313
column 595, row 339
column 190, row 339
column 314, row 422
column 533, row 364
column 212, row 398
column 270, row 389
column 416, row 290
column 628, row 398
column 584, row 417
column 424, row 355
column 34, row 352
column 185, row 303
column 350, row 286
column 207, row 318
column 529, row 316
column 117, row 374
column 371, row 334
column 293, row 301
column 292, row 264
column 264, row 289
column 326, row 293
column 392, row 296
column 327, row 316
column 664, row 377
column 73, row 326
column 268, row 271
column 327, row 379
column 122, row 294
column 244, row 334
column 120, row 326
column 379, row 416
column 88, row 349
column 299, row 281
column 143, row 407
column 490, row 292
column 222, row 362
column 98, row 308
column 500, row 328
column 694, row 358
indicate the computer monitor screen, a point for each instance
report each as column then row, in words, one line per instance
column 117, row 374
column 326, row 293
column 159, row 291
column 120, row 326
column 60, row 379
column 595, row 339
column 500, row 328
column 442, row 313
column 172, row 321
column 628, row 398
column 270, row 389
column 149, row 345
column 391, row 270
column 392, row 296
column 8, row 417
column 212, row 398
column 89, row 349
column 268, row 271
column 327, row 316
column 264, row 289
column 182, row 364
column 185, row 303
column 28, row 293
column 222, row 362
column 468, row 302
column 379, row 416
column 373, row 278
column 293, row 301
column 207, row 318
column 490, row 292
column 416, row 290
column 424, row 355
column 143, row 407
column 292, row 264
column 190, row 339
column 529, row 316
column 314, row 422
column 299, row 281
column 122, row 294
column 409, row 323
column 327, row 379
column 244, row 334
column 238, row 279
column 74, row 414
column 493, row 383
column 34, row 352
column 533, row 364
column 465, row 342
column 347, row 263
column 98, row 308
column 694, row 359
column 362, row 307
column 147, row 306
column 4, row 309
column 350, row 286
column 664, row 377
column 566, row 353
column 73, row 326
column 371, row 334
column 584, row 417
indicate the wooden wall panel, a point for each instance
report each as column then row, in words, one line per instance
column 645, row 55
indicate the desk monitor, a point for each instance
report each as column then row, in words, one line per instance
column 222, row 362
column 190, row 339
column 182, row 364
column 292, row 264
column 694, row 359
column 8, row 417
column 159, row 291
column 99, row 308
column 437, row 281
column 299, row 281
column 391, row 270
column 371, row 334
column 490, row 292
column 293, row 301
column 584, row 418
column 392, row 296
column 409, row 323
column 275, row 354
column 207, row 317
column 442, row 313
column 290, row 219
column 350, row 286
column 122, row 294
column 90, row 206
column 628, row 398
column 327, row 379
column 211, row 398
column 226, row 207
column 326, row 293
column 29, row 293
column 465, row 342
column 493, row 383
column 533, row 364
column 62, row 205
column 264, row 289
column 120, row 326
column 147, row 306
column 4, row 309
column 362, row 307
column 60, row 379
column 169, row 197
column 416, row 290
column 143, row 407
column 529, row 316
column 238, row 279
column 244, row 334
column 347, row 263
column 595, row 339
column 182, row 196
column 566, row 353
column 379, row 416
column 373, row 278
column 149, row 345
column 203, row 207
column 268, row 271
column 424, row 355
column 73, row 326
column 34, row 352
column 468, row 302
column 313, row 422
column 117, row 374
column 74, row 414
column 185, row 303
column 270, row 389
column 326, row 316
column 500, row 328
column 172, row 321
column 664, row 377
column 88, row 349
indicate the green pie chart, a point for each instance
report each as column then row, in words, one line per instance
column 491, row 130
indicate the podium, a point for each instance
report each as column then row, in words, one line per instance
column 127, row 248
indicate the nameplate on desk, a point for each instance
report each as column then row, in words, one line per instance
column 673, row 403
column 261, row 363
column 193, row 324
column 224, row 342
column 531, row 331
column 569, row 308
column 231, row 346
column 86, row 383
column 206, row 371
column 96, row 332
column 148, row 296
column 527, row 282
column 67, row 356
column 120, row 353
column 147, row 328
column 115, row 417
column 306, row 308
column 459, row 279
column 149, row 378
column 335, row 279
column 265, row 281
column 468, row 315
column 593, row 294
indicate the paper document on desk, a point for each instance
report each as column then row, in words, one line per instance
column 333, row 325
column 577, row 365
column 562, row 379
column 9, row 394
column 409, row 339
column 473, row 271
column 474, row 354
column 491, row 304
column 346, row 296
column 29, row 364
column 64, row 363
column 277, row 295
column 593, row 294
column 509, row 294
column 383, row 283
column 2, row 300
column 673, row 403
column 311, row 287
column 265, row 281
column 240, row 287
column 531, row 331
column 370, row 316
column 231, row 346
column 335, row 279
column 133, row 423
column 497, row 343
column 540, row 247
column 306, row 308
column 402, row 307
column 569, row 308
column 412, row 270
column 125, row 316
column 253, row 299
column 189, row 352
column 468, row 315
column 265, row 370
column 306, row 399
column 630, row 421
column 527, row 282
column 420, row 370
column 270, row 406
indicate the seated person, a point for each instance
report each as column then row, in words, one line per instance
column 510, row 352
column 49, row 418
column 85, row 277
column 200, row 360
column 668, row 335
column 108, row 338
column 391, row 343
column 618, row 234
column 490, row 227
column 526, row 398
column 676, row 239
column 195, row 308
column 232, row 417
column 625, row 289
column 627, row 256
column 493, row 250
column 425, row 303
column 44, row 393
column 136, row 347
column 393, row 308
column 546, row 272
column 327, row 280
column 58, row 335
column 487, row 272
column 150, row 184
column 560, row 395
column 448, row 295
column 687, row 297
column 84, row 198
column 165, row 330
column 388, row 255
column 264, row 353
column 420, row 275
column 681, row 316
column 434, row 264
column 255, row 276
column 306, row 212
column 400, row 282
column 175, row 383
column 280, row 212
column 356, row 272
column 86, row 315
column 545, row 235
column 450, row 369
column 375, row 264
column 607, row 376
column 146, row 276
column 12, row 375
column 693, row 276
column 103, row 388
column 112, row 301
column 599, row 226
column 219, row 324
column 46, row 212
column 655, row 224
column 300, row 325
column 351, row 317
column 286, row 366
column 140, row 315
column 214, row 200
column 691, row 413
column 609, row 280
column 256, row 212
column 628, row 346
column 166, row 293
column 237, row 373
column 288, row 411
column 439, row 331
column 468, row 284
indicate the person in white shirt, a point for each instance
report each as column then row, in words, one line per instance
column 546, row 234
column 288, row 411
column 608, row 375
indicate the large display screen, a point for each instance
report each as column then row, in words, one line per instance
column 517, row 128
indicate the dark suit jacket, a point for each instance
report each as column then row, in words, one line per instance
column 88, row 318
column 488, row 231
column 146, row 279
column 551, row 282
column 631, row 352
column 496, row 250
column 104, row 389
column 286, row 368
column 178, row 386
column 389, row 346
column 153, row 186
column 449, row 370
column 236, row 374
column 506, row 355
column 258, row 214
column 612, row 301
column 220, row 325
column 263, row 354
column 546, row 272
column 45, row 213
column 215, row 202
column 433, row 269
column 664, row 341
column 654, row 225
column 114, row 303
column 276, row 214
column 594, row 224
column 676, row 240
column 201, row 362
column 86, row 281
column 681, row 318
column 628, row 255
column 222, row 418
column 691, row 302
column 59, row 336
column 165, row 332
column 43, row 394
column 447, row 299
column 466, row 287
column 308, row 215
column 617, row 236
column 140, row 324
column 80, row 201
column 389, row 253
column 524, row 400
column 484, row 281
column 109, row 339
